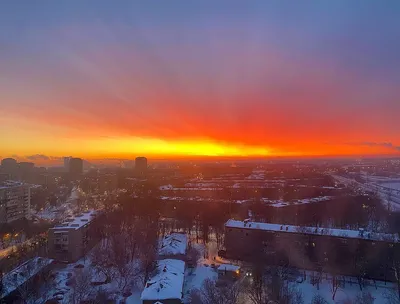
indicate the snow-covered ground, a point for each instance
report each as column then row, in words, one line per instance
column 349, row 291
column 386, row 187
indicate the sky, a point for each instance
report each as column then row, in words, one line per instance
column 104, row 79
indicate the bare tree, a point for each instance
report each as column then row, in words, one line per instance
column 273, row 288
column 396, row 270
column 81, row 286
column 257, row 290
column 360, row 270
column 101, row 258
column 195, row 297
column 334, row 286
column 318, row 299
column 212, row 294
column 391, row 296
column 193, row 255
column 364, row 298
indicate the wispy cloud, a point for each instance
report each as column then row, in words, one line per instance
column 37, row 157
column 42, row 157
column 388, row 145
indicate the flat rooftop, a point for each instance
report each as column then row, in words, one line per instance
column 77, row 221
column 10, row 184
column 343, row 233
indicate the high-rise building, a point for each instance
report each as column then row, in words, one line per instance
column 141, row 165
column 75, row 166
column 25, row 171
column 66, row 163
column 9, row 166
column 15, row 201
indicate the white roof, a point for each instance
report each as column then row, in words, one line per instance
column 172, row 244
column 167, row 283
column 344, row 233
column 19, row 275
column 228, row 267
column 10, row 184
column 77, row 221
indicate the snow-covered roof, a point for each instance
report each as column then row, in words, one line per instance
column 228, row 267
column 21, row 274
column 166, row 187
column 167, row 283
column 77, row 221
column 343, row 233
column 172, row 244
column 10, row 184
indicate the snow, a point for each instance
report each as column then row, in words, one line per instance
column 167, row 283
column 387, row 188
column 313, row 230
column 78, row 221
column 192, row 189
column 23, row 273
column 228, row 267
column 166, row 187
column 173, row 244
column 257, row 174
column 201, row 185
column 350, row 290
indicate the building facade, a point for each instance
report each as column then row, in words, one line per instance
column 337, row 251
column 72, row 239
column 75, row 166
column 141, row 165
column 15, row 201
column 9, row 166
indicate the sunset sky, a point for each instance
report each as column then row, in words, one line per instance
column 104, row 79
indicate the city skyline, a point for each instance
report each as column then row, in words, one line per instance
column 99, row 80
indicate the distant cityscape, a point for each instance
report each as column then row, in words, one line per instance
column 324, row 220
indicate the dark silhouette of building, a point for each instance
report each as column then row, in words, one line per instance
column 141, row 165
column 25, row 171
column 66, row 163
column 338, row 251
column 9, row 166
column 75, row 166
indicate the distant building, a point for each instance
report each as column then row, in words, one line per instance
column 15, row 201
column 166, row 285
column 141, row 165
column 66, row 163
column 72, row 239
column 75, row 166
column 9, row 166
column 25, row 171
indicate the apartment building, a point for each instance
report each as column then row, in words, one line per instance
column 72, row 239
column 341, row 251
column 15, row 201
